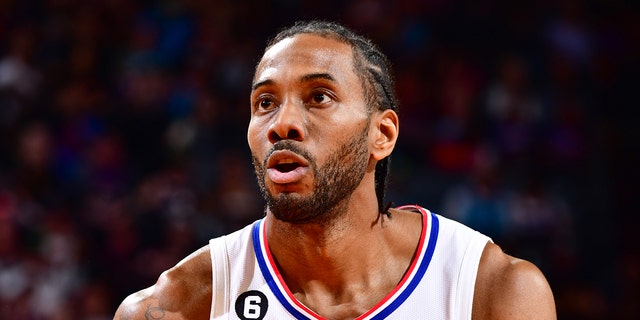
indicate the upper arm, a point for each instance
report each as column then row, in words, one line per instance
column 509, row 288
column 182, row 292
column 142, row 305
column 155, row 302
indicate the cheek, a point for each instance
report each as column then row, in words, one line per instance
column 253, row 135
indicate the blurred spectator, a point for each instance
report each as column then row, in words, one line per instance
column 19, row 78
column 481, row 203
column 514, row 111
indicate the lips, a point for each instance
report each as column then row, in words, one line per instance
column 284, row 166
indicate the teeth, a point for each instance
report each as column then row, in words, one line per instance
column 287, row 161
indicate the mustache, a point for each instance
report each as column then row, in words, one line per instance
column 289, row 146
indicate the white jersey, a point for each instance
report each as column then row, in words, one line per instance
column 439, row 283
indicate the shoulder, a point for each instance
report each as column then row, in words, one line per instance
column 182, row 292
column 510, row 288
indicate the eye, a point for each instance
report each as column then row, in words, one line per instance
column 320, row 98
column 265, row 103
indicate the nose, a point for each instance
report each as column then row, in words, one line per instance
column 288, row 123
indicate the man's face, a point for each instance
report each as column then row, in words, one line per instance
column 309, row 128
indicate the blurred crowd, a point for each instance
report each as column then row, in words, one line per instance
column 123, row 125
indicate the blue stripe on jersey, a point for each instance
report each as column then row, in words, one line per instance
column 422, row 269
column 271, row 281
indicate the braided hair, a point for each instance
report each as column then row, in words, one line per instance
column 374, row 70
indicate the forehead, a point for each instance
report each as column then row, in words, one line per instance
column 307, row 53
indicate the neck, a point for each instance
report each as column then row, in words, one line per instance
column 326, row 242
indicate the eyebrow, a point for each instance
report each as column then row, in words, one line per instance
column 316, row 76
column 306, row 78
column 260, row 84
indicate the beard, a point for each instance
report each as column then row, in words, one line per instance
column 334, row 182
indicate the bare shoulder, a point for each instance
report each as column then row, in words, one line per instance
column 510, row 288
column 182, row 292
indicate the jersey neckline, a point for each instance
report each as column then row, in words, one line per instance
column 386, row 306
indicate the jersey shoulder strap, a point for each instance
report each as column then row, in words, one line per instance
column 220, row 273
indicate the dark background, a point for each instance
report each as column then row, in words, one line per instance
column 123, row 137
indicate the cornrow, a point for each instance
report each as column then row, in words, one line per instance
column 373, row 69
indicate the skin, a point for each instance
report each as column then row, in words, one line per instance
column 342, row 277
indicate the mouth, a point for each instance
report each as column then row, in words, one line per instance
column 285, row 161
column 284, row 166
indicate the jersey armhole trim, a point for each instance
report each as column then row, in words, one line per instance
column 468, row 275
column 220, row 277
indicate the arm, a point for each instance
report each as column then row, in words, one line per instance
column 144, row 305
column 182, row 292
column 510, row 288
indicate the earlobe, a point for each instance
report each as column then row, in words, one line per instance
column 386, row 134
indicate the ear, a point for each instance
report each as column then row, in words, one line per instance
column 385, row 128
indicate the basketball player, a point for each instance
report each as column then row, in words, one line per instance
column 323, row 124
